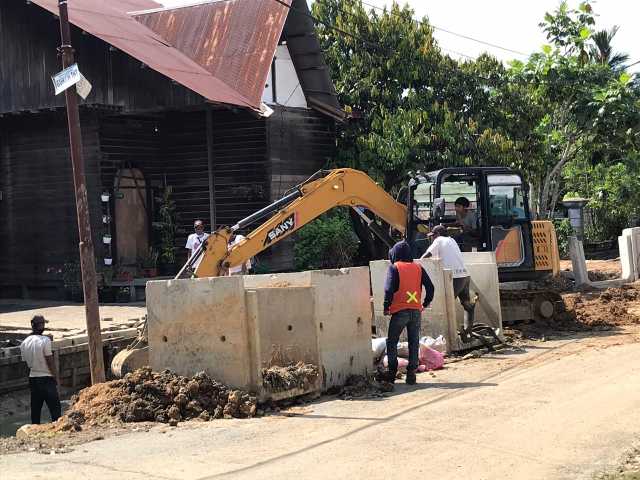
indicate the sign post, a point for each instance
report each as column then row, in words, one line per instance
column 68, row 77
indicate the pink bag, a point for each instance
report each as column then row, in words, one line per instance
column 430, row 358
column 402, row 363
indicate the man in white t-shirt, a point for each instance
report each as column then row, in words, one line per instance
column 446, row 249
column 239, row 269
column 36, row 352
column 196, row 239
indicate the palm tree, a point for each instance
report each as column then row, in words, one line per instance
column 602, row 51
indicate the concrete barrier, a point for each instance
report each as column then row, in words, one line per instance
column 445, row 315
column 342, row 316
column 232, row 327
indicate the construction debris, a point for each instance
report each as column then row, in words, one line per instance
column 279, row 379
column 156, row 397
column 359, row 386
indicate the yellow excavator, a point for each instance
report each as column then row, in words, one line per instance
column 496, row 199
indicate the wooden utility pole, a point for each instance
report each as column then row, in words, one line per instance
column 87, row 257
column 211, row 169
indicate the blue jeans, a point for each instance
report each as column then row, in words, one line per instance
column 399, row 320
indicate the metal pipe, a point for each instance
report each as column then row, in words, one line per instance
column 267, row 210
column 87, row 257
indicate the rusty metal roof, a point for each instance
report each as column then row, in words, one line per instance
column 220, row 49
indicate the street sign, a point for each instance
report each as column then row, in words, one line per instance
column 83, row 87
column 66, row 78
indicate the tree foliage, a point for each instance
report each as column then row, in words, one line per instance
column 569, row 111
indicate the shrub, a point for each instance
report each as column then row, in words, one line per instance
column 327, row 242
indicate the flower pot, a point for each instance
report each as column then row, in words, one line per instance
column 105, row 197
column 106, row 239
column 108, row 261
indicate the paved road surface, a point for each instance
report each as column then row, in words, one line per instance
column 565, row 409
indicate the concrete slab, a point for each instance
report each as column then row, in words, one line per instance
column 342, row 315
column 578, row 262
column 200, row 324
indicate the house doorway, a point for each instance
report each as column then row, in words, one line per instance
column 131, row 218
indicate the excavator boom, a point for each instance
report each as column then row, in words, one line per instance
column 333, row 188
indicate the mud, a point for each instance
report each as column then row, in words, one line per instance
column 146, row 396
column 588, row 311
column 279, row 379
column 361, row 387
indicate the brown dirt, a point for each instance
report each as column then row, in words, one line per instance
column 279, row 379
column 359, row 386
column 588, row 311
column 146, row 396
column 598, row 269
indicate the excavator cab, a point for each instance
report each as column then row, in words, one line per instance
column 497, row 217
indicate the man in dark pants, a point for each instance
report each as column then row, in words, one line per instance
column 36, row 351
column 402, row 300
column 447, row 250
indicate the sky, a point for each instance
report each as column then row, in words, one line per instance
column 511, row 24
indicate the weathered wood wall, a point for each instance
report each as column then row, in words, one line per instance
column 301, row 142
column 38, row 226
column 29, row 37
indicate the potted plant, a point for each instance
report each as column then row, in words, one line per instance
column 149, row 263
column 108, row 261
column 165, row 227
column 106, row 239
column 104, row 196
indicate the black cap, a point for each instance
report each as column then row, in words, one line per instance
column 38, row 319
column 438, row 230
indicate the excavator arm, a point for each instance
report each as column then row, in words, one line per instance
column 322, row 192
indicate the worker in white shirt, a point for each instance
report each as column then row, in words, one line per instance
column 446, row 249
column 36, row 352
column 197, row 238
column 246, row 266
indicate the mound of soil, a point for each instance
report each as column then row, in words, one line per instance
column 589, row 311
column 279, row 379
column 163, row 397
column 359, row 386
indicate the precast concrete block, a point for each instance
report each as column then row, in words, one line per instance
column 435, row 318
column 625, row 246
column 283, row 332
column 484, row 282
column 200, row 324
column 479, row 257
column 342, row 316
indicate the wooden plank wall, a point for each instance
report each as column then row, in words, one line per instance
column 301, row 142
column 176, row 155
column 38, row 223
column 29, row 37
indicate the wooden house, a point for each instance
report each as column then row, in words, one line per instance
column 215, row 108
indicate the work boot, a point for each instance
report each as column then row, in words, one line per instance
column 411, row 377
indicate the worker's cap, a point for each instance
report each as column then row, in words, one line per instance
column 438, row 230
column 38, row 319
column 198, row 223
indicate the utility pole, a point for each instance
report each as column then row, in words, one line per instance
column 87, row 257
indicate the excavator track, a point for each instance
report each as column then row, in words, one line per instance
column 529, row 305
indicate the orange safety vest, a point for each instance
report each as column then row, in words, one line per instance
column 409, row 293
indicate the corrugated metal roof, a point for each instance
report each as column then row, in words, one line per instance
column 221, row 49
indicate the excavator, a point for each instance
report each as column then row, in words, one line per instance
column 526, row 250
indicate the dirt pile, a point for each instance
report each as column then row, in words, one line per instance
column 156, row 397
column 359, row 386
column 279, row 379
column 589, row 311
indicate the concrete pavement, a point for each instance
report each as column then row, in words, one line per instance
column 565, row 409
